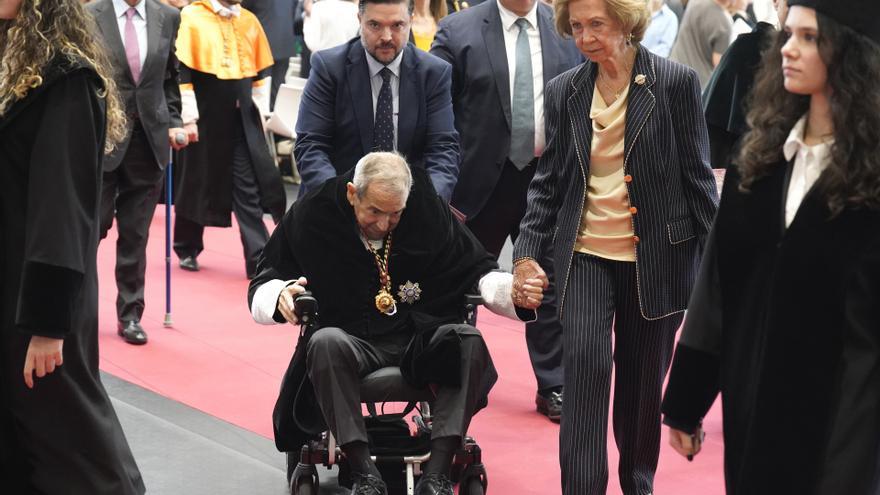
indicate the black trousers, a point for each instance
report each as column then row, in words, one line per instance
column 603, row 295
column 337, row 361
column 130, row 194
column 188, row 234
column 279, row 71
column 500, row 218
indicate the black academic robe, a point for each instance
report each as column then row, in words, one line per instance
column 204, row 193
column 319, row 239
column 725, row 95
column 63, row 436
column 785, row 324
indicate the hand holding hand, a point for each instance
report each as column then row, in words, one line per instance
column 687, row 444
column 286, row 297
column 43, row 355
column 529, row 282
column 178, row 138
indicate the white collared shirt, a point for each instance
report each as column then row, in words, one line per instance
column 376, row 85
column 223, row 11
column 139, row 21
column 809, row 162
column 511, row 32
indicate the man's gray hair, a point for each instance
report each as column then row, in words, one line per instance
column 386, row 170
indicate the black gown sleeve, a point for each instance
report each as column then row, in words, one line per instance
column 277, row 262
column 694, row 380
column 64, row 187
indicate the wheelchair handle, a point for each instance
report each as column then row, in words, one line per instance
column 305, row 307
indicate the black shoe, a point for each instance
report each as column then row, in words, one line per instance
column 434, row 484
column 132, row 332
column 189, row 264
column 550, row 405
column 367, row 484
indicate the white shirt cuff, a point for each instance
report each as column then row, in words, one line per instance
column 265, row 301
column 496, row 290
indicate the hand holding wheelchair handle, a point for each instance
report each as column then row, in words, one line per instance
column 286, row 304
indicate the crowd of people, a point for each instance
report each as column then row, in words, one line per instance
column 430, row 132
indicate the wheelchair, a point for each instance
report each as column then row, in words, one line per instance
column 397, row 451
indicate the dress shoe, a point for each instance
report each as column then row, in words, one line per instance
column 550, row 404
column 189, row 264
column 367, row 484
column 132, row 332
column 434, row 484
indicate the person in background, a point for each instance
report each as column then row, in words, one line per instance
column 625, row 196
column 784, row 321
column 663, row 28
column 329, row 23
column 60, row 112
column 703, row 36
column 139, row 36
column 276, row 17
column 743, row 22
column 426, row 15
column 225, row 64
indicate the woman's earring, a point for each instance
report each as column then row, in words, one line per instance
column 629, row 39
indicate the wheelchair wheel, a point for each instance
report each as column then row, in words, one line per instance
column 303, row 486
column 472, row 486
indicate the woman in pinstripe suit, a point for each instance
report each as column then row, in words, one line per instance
column 625, row 193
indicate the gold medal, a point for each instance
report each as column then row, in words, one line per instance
column 385, row 302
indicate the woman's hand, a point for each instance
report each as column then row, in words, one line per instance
column 687, row 444
column 529, row 282
column 43, row 355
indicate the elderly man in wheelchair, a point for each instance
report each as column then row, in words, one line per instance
column 389, row 265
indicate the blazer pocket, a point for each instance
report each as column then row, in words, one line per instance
column 680, row 230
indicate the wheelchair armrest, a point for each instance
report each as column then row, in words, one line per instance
column 473, row 299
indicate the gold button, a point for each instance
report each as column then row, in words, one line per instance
column 627, row 178
column 633, row 210
column 635, row 239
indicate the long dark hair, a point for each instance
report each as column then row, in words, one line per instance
column 852, row 178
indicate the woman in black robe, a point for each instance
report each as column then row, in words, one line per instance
column 785, row 319
column 59, row 113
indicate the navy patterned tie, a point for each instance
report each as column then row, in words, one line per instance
column 383, row 125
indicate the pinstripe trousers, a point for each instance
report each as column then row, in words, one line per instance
column 603, row 294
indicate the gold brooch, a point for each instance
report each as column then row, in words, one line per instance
column 640, row 79
column 409, row 292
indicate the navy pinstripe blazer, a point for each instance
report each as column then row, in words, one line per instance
column 666, row 153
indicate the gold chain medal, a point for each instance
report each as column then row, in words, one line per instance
column 385, row 302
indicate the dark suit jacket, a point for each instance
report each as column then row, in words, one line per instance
column 335, row 124
column 667, row 157
column 155, row 99
column 473, row 42
column 276, row 16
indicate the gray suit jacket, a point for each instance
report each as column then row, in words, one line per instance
column 155, row 99
column 473, row 42
column 666, row 155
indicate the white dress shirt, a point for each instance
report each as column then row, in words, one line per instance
column 330, row 23
column 809, row 162
column 511, row 32
column 376, row 85
column 223, row 11
column 139, row 21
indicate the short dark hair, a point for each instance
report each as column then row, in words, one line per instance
column 362, row 4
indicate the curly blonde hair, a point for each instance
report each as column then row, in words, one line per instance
column 43, row 30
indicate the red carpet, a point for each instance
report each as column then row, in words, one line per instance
column 217, row 360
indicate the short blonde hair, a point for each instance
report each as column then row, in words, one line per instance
column 633, row 16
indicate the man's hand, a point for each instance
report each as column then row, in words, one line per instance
column 529, row 282
column 285, row 299
column 177, row 137
column 43, row 355
column 192, row 132
column 687, row 444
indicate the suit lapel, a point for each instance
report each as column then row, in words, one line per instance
column 408, row 99
column 155, row 18
column 549, row 45
column 493, row 36
column 641, row 100
column 106, row 20
column 358, row 77
column 579, row 103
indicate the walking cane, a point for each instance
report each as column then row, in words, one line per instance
column 179, row 138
